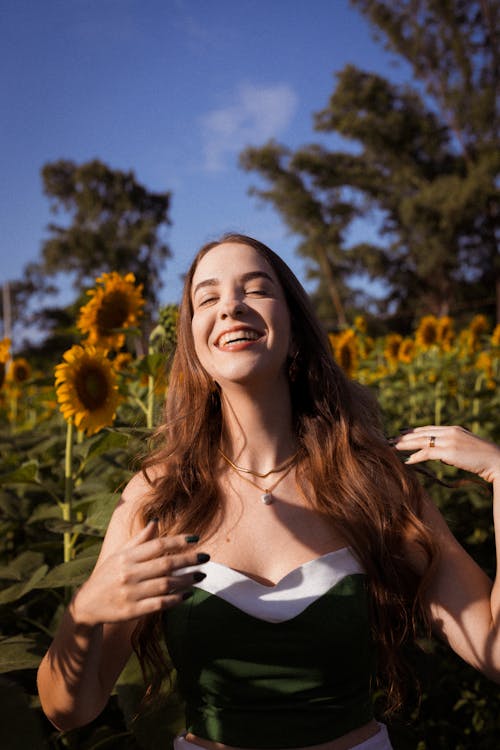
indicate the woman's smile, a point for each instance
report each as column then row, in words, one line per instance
column 237, row 337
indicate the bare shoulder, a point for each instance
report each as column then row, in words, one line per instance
column 126, row 520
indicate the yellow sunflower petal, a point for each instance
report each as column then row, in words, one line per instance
column 116, row 304
column 86, row 388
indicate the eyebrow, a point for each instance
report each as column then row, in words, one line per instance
column 249, row 276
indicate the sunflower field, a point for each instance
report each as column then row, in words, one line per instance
column 71, row 438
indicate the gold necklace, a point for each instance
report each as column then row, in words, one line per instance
column 267, row 493
column 289, row 462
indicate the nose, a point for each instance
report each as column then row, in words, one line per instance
column 232, row 308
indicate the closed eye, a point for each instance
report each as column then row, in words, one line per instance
column 207, row 301
column 258, row 292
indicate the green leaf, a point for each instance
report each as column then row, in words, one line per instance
column 27, row 473
column 20, row 652
column 72, row 573
column 102, row 510
column 43, row 512
column 106, row 441
column 15, row 592
column 151, row 364
column 22, row 567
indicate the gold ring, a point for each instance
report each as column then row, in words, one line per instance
column 432, row 441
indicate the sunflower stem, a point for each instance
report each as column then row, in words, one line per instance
column 68, row 489
column 151, row 396
column 140, row 404
column 476, row 403
column 439, row 402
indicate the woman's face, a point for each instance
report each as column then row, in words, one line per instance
column 241, row 322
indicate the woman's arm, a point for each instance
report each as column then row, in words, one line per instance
column 464, row 604
column 134, row 576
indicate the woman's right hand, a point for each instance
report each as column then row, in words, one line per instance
column 139, row 579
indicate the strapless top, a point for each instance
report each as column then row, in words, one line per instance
column 275, row 666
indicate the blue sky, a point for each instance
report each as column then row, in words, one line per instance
column 174, row 90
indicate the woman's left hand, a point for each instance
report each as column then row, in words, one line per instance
column 454, row 446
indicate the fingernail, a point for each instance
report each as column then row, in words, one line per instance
column 202, row 557
column 392, row 440
column 192, row 538
column 153, row 520
column 187, row 595
column 198, row 576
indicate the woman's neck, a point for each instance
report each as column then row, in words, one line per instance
column 257, row 430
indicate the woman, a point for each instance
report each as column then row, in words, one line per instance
column 274, row 535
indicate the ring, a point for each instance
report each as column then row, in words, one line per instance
column 432, row 441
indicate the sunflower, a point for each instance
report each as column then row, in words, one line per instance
column 345, row 347
column 367, row 346
column 477, row 327
column 86, row 388
column 392, row 346
column 4, row 350
column 495, row 336
column 4, row 358
column 485, row 363
column 427, row 332
column 122, row 361
column 19, row 371
column 360, row 323
column 446, row 334
column 406, row 351
column 115, row 304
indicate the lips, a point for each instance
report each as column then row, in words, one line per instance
column 237, row 336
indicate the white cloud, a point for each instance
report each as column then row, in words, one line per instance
column 257, row 114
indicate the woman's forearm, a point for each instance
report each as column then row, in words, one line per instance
column 70, row 683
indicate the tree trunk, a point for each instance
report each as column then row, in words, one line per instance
column 331, row 285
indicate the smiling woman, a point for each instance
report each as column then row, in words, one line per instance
column 290, row 613
column 240, row 321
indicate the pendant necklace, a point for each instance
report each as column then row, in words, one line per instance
column 267, row 493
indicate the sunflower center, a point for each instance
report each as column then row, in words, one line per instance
column 21, row 374
column 92, row 387
column 429, row 334
column 113, row 312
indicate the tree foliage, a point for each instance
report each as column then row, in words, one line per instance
column 115, row 224
column 424, row 158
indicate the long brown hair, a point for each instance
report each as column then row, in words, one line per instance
column 358, row 481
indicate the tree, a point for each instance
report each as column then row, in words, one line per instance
column 320, row 224
column 115, row 224
column 424, row 159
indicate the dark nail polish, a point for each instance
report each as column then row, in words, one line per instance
column 198, row 576
column 192, row 538
column 153, row 520
column 187, row 595
column 202, row 557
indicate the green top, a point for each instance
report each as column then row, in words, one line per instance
column 252, row 683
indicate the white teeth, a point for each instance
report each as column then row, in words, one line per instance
column 233, row 336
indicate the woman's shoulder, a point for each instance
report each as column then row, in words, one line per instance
column 140, row 487
column 127, row 518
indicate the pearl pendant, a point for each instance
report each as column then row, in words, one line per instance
column 267, row 498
